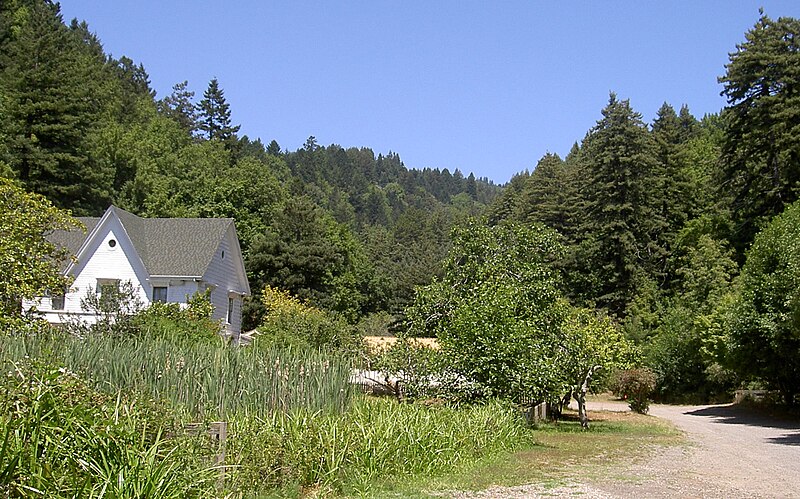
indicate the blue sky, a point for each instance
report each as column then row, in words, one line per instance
column 485, row 87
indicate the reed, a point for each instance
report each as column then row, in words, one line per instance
column 208, row 381
column 374, row 441
column 294, row 424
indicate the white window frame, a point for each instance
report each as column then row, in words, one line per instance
column 102, row 282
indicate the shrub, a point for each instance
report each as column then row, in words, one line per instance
column 290, row 322
column 417, row 366
column 635, row 385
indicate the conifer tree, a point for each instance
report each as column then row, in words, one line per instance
column 671, row 195
column 761, row 152
column 52, row 84
column 621, row 248
column 215, row 115
column 178, row 106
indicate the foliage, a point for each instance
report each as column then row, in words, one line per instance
column 620, row 247
column 496, row 311
column 763, row 322
column 190, row 324
column 214, row 115
column 64, row 439
column 53, row 88
column 290, row 322
column 29, row 263
column 203, row 379
column 761, row 150
column 65, row 434
column 419, row 368
column 683, row 347
column 595, row 347
column 635, row 385
column 376, row 440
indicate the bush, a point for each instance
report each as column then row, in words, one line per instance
column 417, row 366
column 191, row 324
column 634, row 385
column 290, row 322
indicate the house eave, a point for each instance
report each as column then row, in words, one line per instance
column 177, row 277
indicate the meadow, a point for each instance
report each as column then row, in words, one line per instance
column 107, row 416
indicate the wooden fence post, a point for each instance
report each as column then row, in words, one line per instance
column 219, row 433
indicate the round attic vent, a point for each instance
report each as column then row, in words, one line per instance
column 112, row 243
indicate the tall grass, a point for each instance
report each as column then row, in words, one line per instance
column 63, row 439
column 375, row 441
column 208, row 381
column 293, row 422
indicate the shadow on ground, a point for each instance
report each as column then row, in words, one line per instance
column 743, row 415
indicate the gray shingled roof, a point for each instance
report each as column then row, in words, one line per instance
column 167, row 246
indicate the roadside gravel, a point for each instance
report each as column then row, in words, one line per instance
column 731, row 453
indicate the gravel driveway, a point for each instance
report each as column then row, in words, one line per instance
column 732, row 453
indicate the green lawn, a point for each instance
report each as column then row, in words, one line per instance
column 561, row 451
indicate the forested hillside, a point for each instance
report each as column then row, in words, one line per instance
column 681, row 232
column 659, row 218
column 349, row 230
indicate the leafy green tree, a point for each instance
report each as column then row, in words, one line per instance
column 29, row 263
column 497, row 312
column 215, row 115
column 763, row 322
column 595, row 348
column 682, row 348
column 762, row 123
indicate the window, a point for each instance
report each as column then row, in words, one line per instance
column 230, row 310
column 108, row 295
column 160, row 294
column 57, row 301
column 108, row 287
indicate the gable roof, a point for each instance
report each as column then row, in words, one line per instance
column 167, row 246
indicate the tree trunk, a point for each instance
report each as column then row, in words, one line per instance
column 580, row 397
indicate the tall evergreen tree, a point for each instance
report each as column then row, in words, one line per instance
column 178, row 106
column 761, row 151
column 548, row 196
column 215, row 115
column 52, row 83
column 621, row 248
column 671, row 195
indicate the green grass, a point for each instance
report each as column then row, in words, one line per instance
column 558, row 452
column 374, row 442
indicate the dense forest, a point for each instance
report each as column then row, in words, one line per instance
column 681, row 232
column 349, row 230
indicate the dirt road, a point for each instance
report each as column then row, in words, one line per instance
column 732, row 453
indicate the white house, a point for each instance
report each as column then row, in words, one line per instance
column 165, row 259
